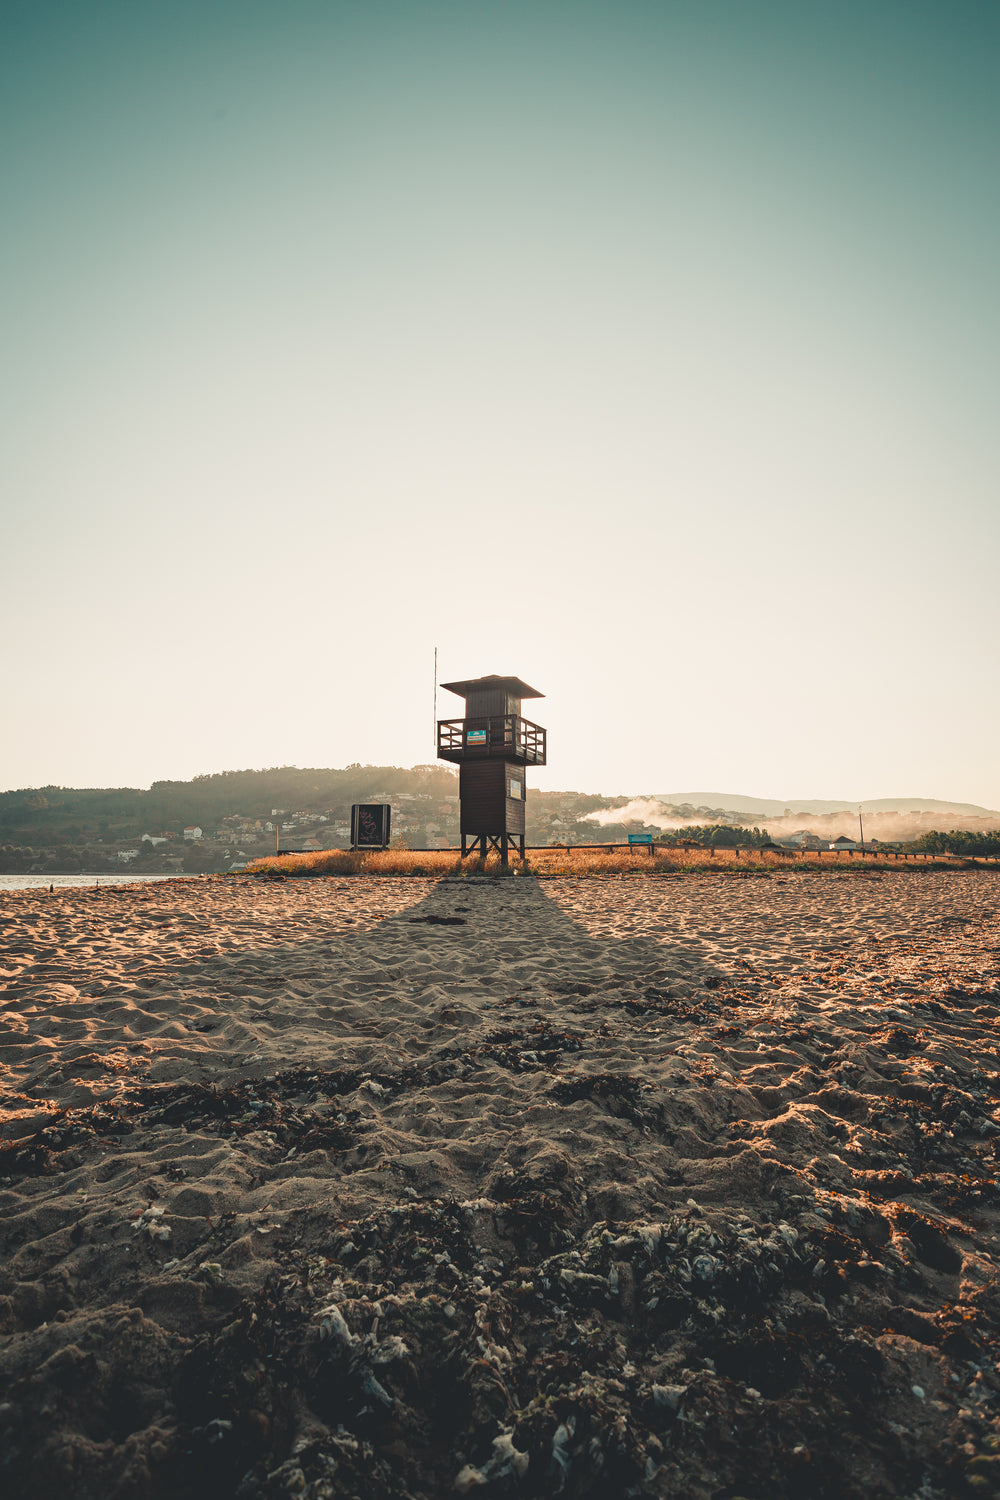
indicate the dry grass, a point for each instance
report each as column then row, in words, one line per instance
column 379, row 862
column 583, row 861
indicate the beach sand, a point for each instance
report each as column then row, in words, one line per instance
column 612, row 1186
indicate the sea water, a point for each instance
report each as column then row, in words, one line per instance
column 35, row 882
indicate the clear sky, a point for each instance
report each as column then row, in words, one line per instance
column 647, row 351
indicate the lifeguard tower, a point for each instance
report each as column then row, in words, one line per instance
column 493, row 746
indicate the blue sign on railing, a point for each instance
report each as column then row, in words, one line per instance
column 640, row 838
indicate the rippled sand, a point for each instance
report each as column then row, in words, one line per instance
column 571, row 1143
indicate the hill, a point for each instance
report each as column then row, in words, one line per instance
column 213, row 821
column 69, row 814
column 762, row 807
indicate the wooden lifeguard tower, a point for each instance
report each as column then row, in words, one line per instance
column 492, row 745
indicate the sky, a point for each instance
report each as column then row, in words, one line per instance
column 645, row 351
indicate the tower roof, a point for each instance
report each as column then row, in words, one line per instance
column 512, row 685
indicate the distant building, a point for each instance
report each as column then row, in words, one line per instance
column 844, row 843
column 193, row 832
column 126, row 856
column 152, row 838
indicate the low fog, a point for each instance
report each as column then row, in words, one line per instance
column 887, row 827
column 652, row 814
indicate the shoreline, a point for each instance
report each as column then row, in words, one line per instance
column 542, row 860
column 83, row 879
column 69, row 880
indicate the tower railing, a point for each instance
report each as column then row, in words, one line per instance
column 502, row 735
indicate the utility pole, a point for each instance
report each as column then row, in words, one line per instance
column 862, row 827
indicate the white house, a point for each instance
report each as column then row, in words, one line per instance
column 151, row 838
column 803, row 839
column 193, row 833
column 844, row 843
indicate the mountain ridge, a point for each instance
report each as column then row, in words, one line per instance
column 774, row 808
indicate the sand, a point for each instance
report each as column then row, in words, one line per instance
column 400, row 1187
